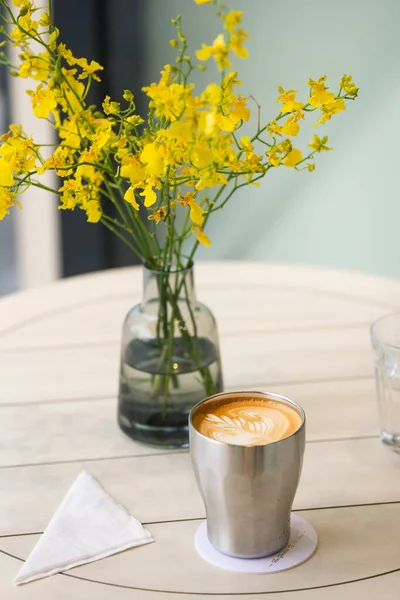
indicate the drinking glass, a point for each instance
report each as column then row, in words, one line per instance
column 385, row 338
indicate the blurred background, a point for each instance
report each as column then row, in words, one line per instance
column 345, row 214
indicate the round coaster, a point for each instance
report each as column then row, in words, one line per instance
column 302, row 545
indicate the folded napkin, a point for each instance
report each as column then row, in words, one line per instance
column 87, row 526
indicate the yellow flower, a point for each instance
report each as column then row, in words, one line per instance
column 128, row 96
column 150, row 197
column 67, row 54
column 93, row 211
column 110, row 108
column 168, row 99
column 196, row 212
column 311, row 167
column 43, row 101
column 288, row 99
column 150, row 156
column 69, row 133
column 178, row 130
column 318, row 144
column 130, row 197
column 202, row 156
column 68, row 193
column 320, row 98
column 89, row 68
column 69, row 94
column 6, row 176
column 17, row 36
column 245, row 143
column 174, row 43
column 19, row 154
column 134, row 120
column 274, row 129
column 88, row 171
column 330, row 109
column 6, row 201
column 133, row 170
column 202, row 238
column 212, row 94
column 293, row 158
column 202, row 1
column 237, row 41
column 45, row 20
column 232, row 19
column 240, row 111
column 320, row 95
column 158, row 215
column 218, row 50
column 53, row 39
column 210, row 178
column 291, row 127
column 59, row 162
column 101, row 139
column 274, row 159
column 37, row 67
column 224, row 123
column 20, row 35
column 348, row 85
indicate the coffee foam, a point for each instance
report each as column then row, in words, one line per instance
column 247, row 421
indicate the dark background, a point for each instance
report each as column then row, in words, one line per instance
column 110, row 32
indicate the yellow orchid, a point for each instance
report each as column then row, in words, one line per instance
column 6, row 174
column 348, row 85
column 318, row 144
column 43, row 101
column 232, row 20
column 149, row 194
column 174, row 165
column 293, row 158
column 330, row 109
column 152, row 159
column 196, row 212
column 129, row 196
column 93, row 211
column 288, row 99
column 291, row 127
column 219, row 50
column 158, row 215
column 7, row 200
column 202, row 238
column 320, row 94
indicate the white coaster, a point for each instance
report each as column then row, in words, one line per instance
column 302, row 545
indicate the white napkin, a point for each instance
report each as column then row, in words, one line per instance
column 87, row 526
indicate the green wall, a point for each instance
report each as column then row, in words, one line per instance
column 346, row 213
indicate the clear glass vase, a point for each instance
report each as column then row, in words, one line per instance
column 170, row 360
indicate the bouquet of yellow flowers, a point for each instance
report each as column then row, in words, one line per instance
column 154, row 180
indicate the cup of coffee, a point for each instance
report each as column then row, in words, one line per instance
column 247, row 453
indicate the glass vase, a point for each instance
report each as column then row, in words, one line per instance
column 170, row 359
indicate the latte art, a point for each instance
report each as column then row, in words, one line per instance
column 248, row 422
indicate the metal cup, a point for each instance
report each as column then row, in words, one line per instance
column 248, row 491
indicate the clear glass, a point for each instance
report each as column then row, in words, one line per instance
column 170, row 360
column 385, row 337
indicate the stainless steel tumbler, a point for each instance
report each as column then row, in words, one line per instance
column 248, row 491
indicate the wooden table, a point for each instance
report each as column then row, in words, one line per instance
column 302, row 332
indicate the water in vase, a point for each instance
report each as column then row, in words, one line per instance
column 154, row 402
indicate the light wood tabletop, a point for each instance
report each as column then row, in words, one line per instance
column 299, row 331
